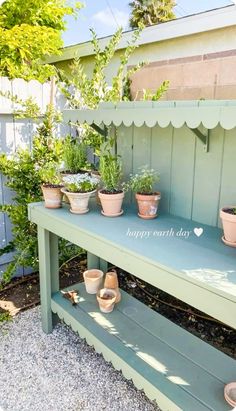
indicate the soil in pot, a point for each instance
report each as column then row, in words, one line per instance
column 52, row 195
column 228, row 216
column 111, row 202
column 148, row 205
column 106, row 299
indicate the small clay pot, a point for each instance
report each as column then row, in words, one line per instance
column 230, row 394
column 111, row 203
column 52, row 195
column 148, row 205
column 106, row 299
column 93, row 280
column 111, row 281
column 229, row 225
column 78, row 201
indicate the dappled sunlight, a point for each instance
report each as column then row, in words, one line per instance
column 8, row 305
column 103, row 321
column 223, row 280
column 177, row 380
column 150, row 360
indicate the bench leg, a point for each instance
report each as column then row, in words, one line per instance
column 103, row 265
column 95, row 262
column 49, row 280
column 92, row 261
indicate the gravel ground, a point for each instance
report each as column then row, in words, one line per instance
column 59, row 372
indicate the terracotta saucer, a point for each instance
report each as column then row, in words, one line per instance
column 230, row 393
column 228, row 242
column 113, row 215
column 74, row 212
column 147, row 217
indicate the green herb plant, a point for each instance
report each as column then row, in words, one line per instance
column 49, row 175
column 24, row 177
column 142, row 182
column 111, row 172
column 74, row 155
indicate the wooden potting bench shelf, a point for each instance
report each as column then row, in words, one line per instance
column 174, row 367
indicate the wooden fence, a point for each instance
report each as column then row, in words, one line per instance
column 15, row 133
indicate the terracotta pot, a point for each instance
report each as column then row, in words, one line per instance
column 78, row 201
column 93, row 280
column 230, row 394
column 111, row 281
column 52, row 195
column 229, row 225
column 106, row 299
column 148, row 205
column 111, row 203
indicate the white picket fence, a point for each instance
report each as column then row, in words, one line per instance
column 15, row 133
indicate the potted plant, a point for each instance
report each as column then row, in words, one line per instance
column 228, row 216
column 74, row 156
column 51, row 186
column 78, row 188
column 143, row 185
column 111, row 195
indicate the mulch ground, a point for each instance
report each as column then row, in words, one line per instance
column 23, row 293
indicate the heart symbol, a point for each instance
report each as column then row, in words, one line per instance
column 198, row 231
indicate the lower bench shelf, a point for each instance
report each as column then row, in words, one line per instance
column 175, row 368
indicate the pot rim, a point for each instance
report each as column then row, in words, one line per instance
column 93, row 278
column 226, row 216
column 73, row 194
column 108, row 290
column 148, row 196
column 112, row 195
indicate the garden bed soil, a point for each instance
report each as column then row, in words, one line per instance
column 23, row 293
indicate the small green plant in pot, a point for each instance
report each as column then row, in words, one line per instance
column 74, row 156
column 79, row 188
column 51, row 186
column 143, row 185
column 111, row 195
column 228, row 217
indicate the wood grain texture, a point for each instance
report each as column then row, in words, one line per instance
column 146, row 352
column 198, row 270
column 14, row 134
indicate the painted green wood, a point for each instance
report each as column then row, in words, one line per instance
column 45, row 279
column 228, row 185
column 207, row 179
column 192, row 113
column 198, row 186
column 182, row 172
column 191, row 347
column 177, row 376
column 142, row 147
column 125, row 150
column 161, row 150
column 54, row 262
column 92, row 261
column 103, row 264
column 198, row 270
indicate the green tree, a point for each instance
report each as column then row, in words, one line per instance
column 31, row 30
column 149, row 12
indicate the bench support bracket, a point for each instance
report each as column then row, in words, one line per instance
column 203, row 137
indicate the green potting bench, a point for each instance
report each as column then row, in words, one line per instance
column 193, row 146
column 177, row 369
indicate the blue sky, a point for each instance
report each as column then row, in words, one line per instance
column 97, row 14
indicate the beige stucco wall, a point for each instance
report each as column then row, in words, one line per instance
column 204, row 76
